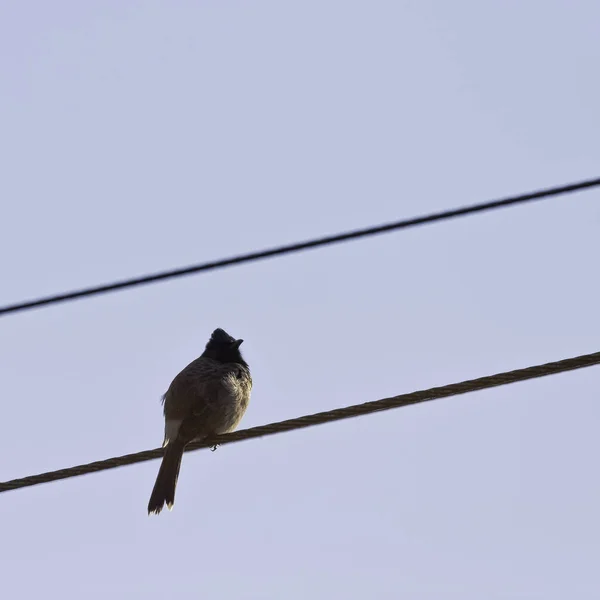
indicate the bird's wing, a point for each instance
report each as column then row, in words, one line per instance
column 194, row 396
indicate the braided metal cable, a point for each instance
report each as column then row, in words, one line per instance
column 453, row 389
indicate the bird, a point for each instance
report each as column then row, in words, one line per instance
column 207, row 398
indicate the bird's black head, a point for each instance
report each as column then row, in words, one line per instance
column 224, row 348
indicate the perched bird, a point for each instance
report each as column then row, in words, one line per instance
column 208, row 397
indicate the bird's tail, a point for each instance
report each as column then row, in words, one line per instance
column 166, row 480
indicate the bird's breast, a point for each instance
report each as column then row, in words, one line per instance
column 235, row 403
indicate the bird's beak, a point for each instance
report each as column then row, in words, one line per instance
column 237, row 344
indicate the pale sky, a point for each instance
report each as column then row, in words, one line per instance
column 140, row 136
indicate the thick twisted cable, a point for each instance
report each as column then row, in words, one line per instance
column 357, row 410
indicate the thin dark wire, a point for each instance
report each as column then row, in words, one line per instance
column 454, row 389
column 297, row 247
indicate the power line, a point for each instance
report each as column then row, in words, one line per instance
column 297, row 247
column 453, row 389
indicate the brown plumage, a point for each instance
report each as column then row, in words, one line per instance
column 208, row 397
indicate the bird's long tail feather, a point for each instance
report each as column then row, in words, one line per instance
column 166, row 480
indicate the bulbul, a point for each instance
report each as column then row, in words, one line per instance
column 208, row 397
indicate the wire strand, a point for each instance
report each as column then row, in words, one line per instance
column 454, row 389
column 297, row 247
